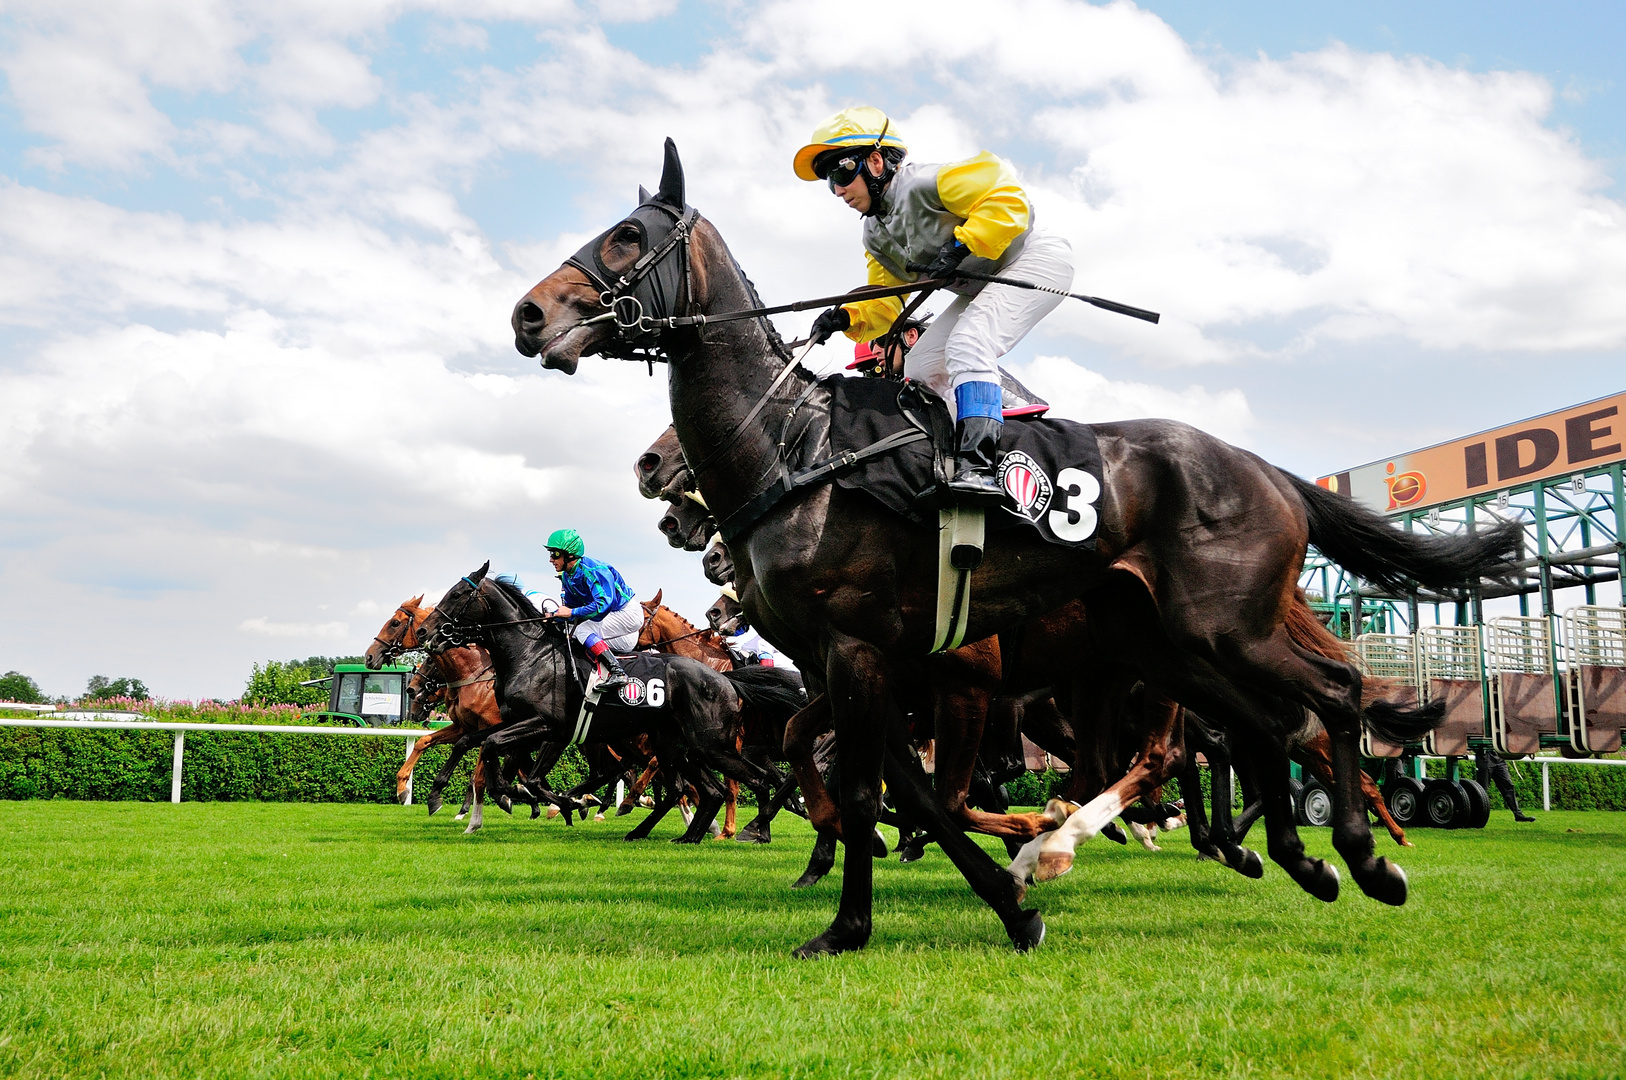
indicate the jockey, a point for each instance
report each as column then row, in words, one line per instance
column 598, row 601
column 970, row 212
column 871, row 362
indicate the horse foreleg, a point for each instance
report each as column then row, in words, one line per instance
column 859, row 703
column 730, row 809
column 403, row 778
column 1314, row 756
column 1161, row 757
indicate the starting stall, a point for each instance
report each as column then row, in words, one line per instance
column 1535, row 672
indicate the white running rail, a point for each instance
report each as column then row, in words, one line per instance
column 180, row 731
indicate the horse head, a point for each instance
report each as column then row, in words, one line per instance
column 718, row 564
column 688, row 524
column 661, row 470
column 399, row 633
column 569, row 314
column 726, row 615
column 460, row 606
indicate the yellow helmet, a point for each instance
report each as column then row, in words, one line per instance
column 862, row 127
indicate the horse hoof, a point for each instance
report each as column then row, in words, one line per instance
column 536, row 811
column 434, row 804
column 472, row 829
column 686, row 839
column 623, row 810
column 1387, row 884
column 459, row 817
column 1052, row 865
column 877, row 845
column 912, row 850
column 1112, row 831
column 553, row 812
column 831, row 943
column 808, row 878
column 746, row 836
column 1322, row 881
column 1249, row 864
column 506, row 804
column 401, row 797
column 1027, row 932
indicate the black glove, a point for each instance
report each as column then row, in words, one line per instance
column 830, row 322
column 949, row 256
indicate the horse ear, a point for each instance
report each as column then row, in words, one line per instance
column 643, row 194
column 671, row 191
column 657, row 600
column 480, row 574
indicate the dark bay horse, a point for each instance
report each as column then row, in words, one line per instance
column 1196, row 559
column 540, row 696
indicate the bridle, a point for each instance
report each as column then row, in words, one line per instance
column 649, row 620
column 392, row 649
column 652, row 294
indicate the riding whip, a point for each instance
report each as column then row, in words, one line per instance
column 1107, row 305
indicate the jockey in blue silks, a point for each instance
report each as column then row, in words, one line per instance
column 605, row 610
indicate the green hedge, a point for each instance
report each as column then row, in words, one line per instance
column 57, row 763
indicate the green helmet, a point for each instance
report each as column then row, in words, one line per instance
column 568, row 541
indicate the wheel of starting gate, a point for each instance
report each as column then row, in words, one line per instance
column 1478, row 804
column 1315, row 804
column 1295, row 790
column 1404, row 794
column 1445, row 805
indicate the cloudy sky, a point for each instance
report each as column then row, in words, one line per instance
column 257, row 260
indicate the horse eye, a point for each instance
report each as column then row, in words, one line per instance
column 626, row 234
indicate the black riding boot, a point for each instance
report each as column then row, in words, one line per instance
column 617, row 677
column 976, row 456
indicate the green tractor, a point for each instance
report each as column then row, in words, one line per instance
column 362, row 697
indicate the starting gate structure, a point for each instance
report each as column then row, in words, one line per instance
column 1553, row 675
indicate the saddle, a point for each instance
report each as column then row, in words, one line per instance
column 646, row 684
column 894, row 442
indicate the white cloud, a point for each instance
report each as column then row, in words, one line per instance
column 224, row 427
column 1077, row 393
column 329, row 631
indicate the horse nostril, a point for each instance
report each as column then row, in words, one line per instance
column 531, row 318
column 648, row 463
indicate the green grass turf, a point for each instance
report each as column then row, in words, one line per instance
column 250, row 940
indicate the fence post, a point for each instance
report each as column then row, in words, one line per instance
column 175, row 769
column 1546, row 788
column 408, row 800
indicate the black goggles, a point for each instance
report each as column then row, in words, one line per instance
column 840, row 172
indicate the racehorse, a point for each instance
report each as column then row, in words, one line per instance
column 540, row 694
column 1195, row 561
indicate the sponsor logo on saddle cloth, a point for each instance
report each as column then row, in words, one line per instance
column 1069, row 498
column 633, row 692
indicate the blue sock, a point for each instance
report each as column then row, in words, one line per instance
column 979, row 399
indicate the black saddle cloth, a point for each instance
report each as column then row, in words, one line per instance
column 1050, row 469
column 647, row 679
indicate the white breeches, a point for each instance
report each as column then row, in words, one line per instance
column 619, row 629
column 964, row 343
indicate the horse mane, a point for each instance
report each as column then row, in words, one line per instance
column 779, row 347
column 511, row 588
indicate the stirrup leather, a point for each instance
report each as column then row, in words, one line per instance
column 959, row 551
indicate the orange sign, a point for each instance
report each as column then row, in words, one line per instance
column 1572, row 440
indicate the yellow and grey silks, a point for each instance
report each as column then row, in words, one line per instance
column 977, row 201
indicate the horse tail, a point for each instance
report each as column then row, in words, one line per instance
column 1310, row 634
column 1391, row 722
column 774, row 691
column 1364, row 542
